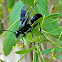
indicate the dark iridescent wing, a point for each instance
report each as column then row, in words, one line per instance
column 23, row 14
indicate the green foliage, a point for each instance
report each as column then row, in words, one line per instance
column 50, row 49
column 10, row 3
column 25, row 50
column 59, row 57
column 42, row 7
column 49, row 27
column 29, row 2
column 35, row 56
column 15, row 14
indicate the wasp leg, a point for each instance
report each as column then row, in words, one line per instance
column 32, row 34
column 42, row 33
column 40, row 30
column 36, row 25
column 22, row 39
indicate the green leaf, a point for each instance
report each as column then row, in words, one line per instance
column 54, row 15
column 60, row 42
column 57, row 36
column 9, row 40
column 35, row 56
column 42, row 8
column 56, row 32
column 10, row 3
column 59, row 57
column 25, row 50
column 49, row 50
column 58, row 49
column 29, row 2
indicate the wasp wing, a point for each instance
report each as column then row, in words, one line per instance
column 23, row 14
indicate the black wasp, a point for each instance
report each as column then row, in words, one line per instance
column 25, row 26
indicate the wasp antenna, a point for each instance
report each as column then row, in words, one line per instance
column 35, row 3
column 6, row 30
column 32, row 8
column 29, row 14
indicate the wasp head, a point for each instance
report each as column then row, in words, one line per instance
column 17, row 33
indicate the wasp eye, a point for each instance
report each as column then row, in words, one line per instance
column 16, row 32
